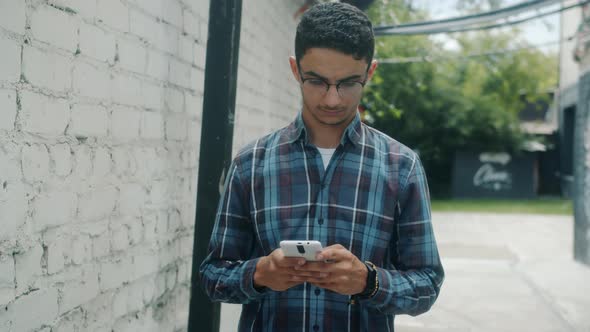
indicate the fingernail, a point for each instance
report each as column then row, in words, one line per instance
column 301, row 262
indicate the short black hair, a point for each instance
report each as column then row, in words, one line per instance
column 337, row 26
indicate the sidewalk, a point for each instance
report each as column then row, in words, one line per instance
column 503, row 273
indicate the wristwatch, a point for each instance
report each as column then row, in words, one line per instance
column 372, row 285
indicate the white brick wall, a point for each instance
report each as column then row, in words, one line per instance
column 99, row 146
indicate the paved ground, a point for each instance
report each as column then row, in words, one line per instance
column 503, row 273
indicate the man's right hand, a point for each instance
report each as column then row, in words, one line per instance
column 277, row 272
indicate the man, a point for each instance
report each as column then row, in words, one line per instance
column 326, row 177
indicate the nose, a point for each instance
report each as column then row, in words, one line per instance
column 332, row 98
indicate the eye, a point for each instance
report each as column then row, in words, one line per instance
column 315, row 82
column 348, row 84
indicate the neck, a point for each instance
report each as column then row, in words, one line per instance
column 323, row 135
column 326, row 138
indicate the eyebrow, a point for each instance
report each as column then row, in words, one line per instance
column 312, row 73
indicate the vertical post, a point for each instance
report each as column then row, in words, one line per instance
column 219, row 99
column 582, row 146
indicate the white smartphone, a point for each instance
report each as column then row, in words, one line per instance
column 301, row 248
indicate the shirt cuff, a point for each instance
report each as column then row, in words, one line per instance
column 248, row 280
column 381, row 296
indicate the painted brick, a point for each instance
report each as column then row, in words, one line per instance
column 35, row 162
column 174, row 100
column 120, row 302
column 33, row 310
column 180, row 73
column 115, row 272
column 10, row 162
column 47, row 70
column 83, row 163
column 56, row 256
column 172, row 13
column 152, row 7
column 89, row 120
column 186, row 49
column 126, row 90
column 176, row 127
column 8, row 107
column 125, row 123
column 152, row 96
column 101, row 246
column 97, row 43
column 53, row 209
column 97, row 204
column 132, row 199
column 10, row 66
column 124, row 162
column 132, row 55
column 12, row 15
column 191, row 24
column 80, row 250
column 56, row 27
column 28, row 268
column 44, row 115
column 103, row 163
column 194, row 105
column 119, row 238
column 151, row 125
column 145, row 27
column 200, row 55
column 113, row 13
column 89, row 81
column 135, row 231
column 61, row 156
column 144, row 265
column 86, row 8
column 7, row 274
column 158, row 66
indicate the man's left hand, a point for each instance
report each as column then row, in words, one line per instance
column 345, row 273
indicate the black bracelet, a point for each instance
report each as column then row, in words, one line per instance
column 372, row 285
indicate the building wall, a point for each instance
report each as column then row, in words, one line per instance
column 581, row 143
column 268, row 96
column 582, row 171
column 568, row 67
column 100, row 116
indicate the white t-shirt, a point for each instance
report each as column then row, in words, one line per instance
column 326, row 155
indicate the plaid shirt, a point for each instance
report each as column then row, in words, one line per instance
column 373, row 199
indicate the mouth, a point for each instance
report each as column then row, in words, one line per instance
column 331, row 112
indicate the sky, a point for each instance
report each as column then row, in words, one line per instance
column 536, row 32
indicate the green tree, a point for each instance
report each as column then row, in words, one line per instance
column 462, row 100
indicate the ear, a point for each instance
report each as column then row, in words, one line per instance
column 294, row 68
column 371, row 69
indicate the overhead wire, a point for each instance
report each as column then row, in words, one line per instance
column 463, row 22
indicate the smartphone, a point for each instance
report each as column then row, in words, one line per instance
column 303, row 248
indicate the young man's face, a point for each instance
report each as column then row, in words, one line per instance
column 337, row 106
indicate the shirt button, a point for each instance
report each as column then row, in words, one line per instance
column 321, row 221
column 317, row 291
column 316, row 328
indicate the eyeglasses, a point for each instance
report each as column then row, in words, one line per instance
column 319, row 87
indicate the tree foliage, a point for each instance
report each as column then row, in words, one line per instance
column 464, row 99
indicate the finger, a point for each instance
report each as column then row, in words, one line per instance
column 312, row 267
column 335, row 254
column 314, row 275
column 290, row 261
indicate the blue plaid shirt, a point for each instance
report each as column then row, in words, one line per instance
column 372, row 198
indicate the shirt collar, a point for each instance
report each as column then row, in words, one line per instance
column 297, row 131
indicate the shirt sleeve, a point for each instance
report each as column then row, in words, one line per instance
column 227, row 272
column 414, row 283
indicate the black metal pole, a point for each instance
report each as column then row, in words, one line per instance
column 221, row 71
